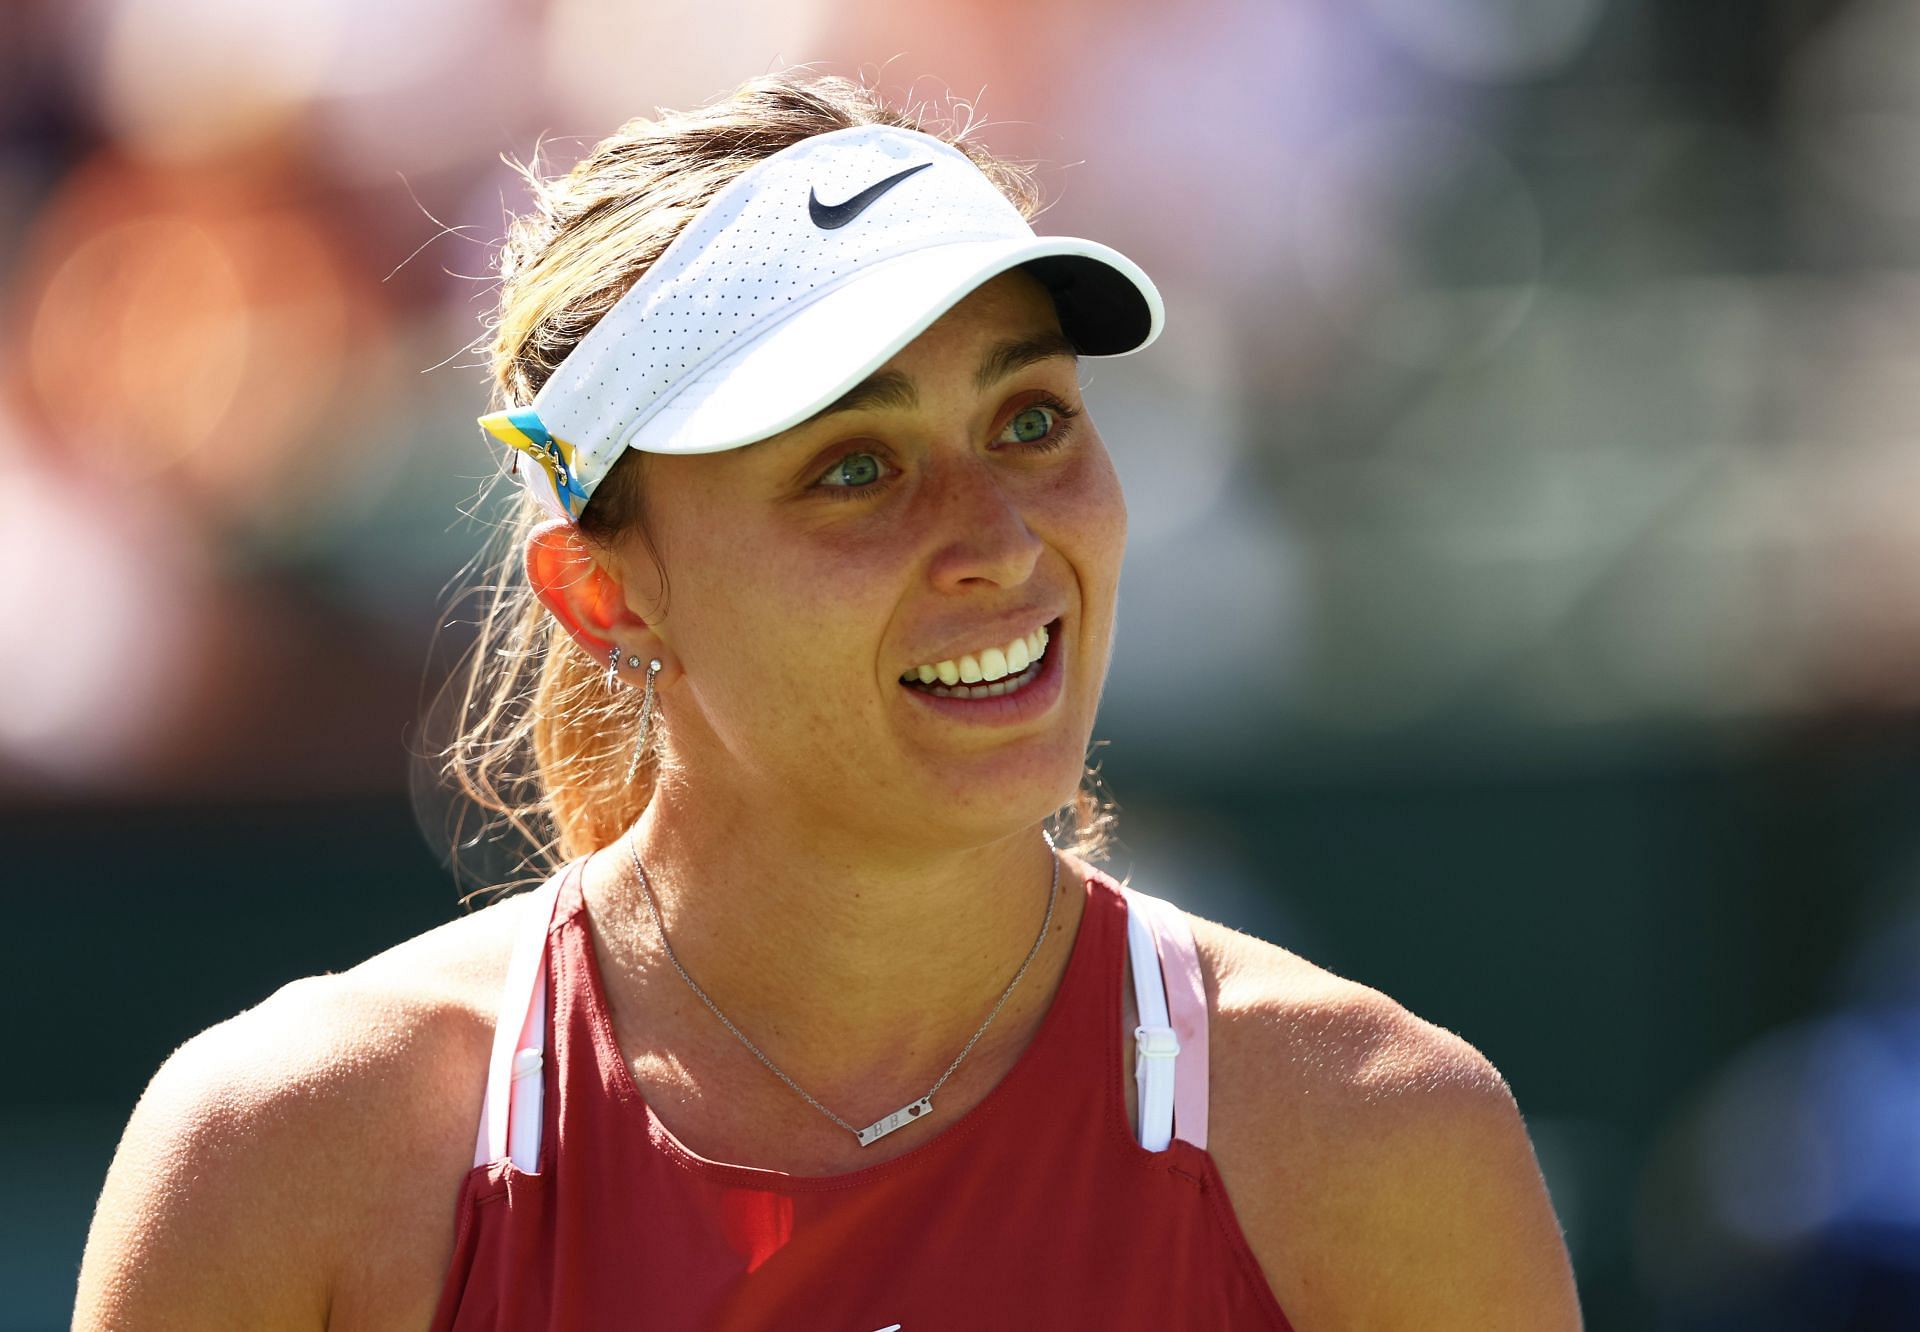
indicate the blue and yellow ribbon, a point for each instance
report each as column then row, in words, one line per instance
column 521, row 427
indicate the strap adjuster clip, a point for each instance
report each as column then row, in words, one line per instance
column 1153, row 1042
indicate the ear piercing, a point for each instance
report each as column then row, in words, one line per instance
column 646, row 719
column 646, row 702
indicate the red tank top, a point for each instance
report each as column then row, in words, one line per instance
column 1037, row 1209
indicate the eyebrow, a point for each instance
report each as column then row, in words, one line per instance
column 891, row 388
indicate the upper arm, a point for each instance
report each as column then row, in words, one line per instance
column 1439, row 1217
column 207, row 1219
column 1469, row 1238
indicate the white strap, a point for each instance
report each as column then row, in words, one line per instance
column 1155, row 1046
column 1186, row 1013
column 1171, row 1040
column 514, row 1087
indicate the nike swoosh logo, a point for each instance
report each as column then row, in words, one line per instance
column 831, row 217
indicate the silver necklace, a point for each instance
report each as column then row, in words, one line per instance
column 907, row 1113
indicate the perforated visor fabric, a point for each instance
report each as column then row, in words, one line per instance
column 801, row 365
column 799, row 278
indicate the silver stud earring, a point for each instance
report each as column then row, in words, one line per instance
column 613, row 666
column 646, row 717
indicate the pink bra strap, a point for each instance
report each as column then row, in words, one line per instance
column 514, row 1084
column 1187, row 1013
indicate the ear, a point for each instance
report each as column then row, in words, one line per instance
column 588, row 600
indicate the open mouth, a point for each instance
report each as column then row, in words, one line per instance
column 993, row 672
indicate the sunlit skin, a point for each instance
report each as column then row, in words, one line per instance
column 853, row 879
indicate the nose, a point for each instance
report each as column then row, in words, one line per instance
column 980, row 526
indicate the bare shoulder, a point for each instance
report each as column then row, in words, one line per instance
column 273, row 1155
column 1302, row 1026
column 1378, row 1163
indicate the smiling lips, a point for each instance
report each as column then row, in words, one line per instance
column 994, row 663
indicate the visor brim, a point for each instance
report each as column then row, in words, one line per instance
column 806, row 361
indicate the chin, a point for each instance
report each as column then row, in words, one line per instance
column 985, row 801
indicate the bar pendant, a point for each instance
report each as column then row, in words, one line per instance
column 906, row 1114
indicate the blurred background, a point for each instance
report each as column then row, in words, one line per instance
column 1522, row 613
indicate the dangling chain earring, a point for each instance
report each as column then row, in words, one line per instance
column 646, row 702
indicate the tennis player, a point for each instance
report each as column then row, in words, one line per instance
column 824, row 1018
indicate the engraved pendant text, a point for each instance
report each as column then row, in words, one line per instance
column 906, row 1114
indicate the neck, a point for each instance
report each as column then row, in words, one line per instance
column 860, row 972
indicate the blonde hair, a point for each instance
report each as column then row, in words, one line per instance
column 541, row 745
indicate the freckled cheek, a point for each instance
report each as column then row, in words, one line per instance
column 782, row 671
column 1089, row 515
column 795, row 621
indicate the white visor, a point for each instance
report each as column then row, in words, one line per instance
column 798, row 280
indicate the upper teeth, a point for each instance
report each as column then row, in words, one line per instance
column 991, row 664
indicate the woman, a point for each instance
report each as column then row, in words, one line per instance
column 813, row 1025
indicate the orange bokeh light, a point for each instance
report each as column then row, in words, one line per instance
column 191, row 329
